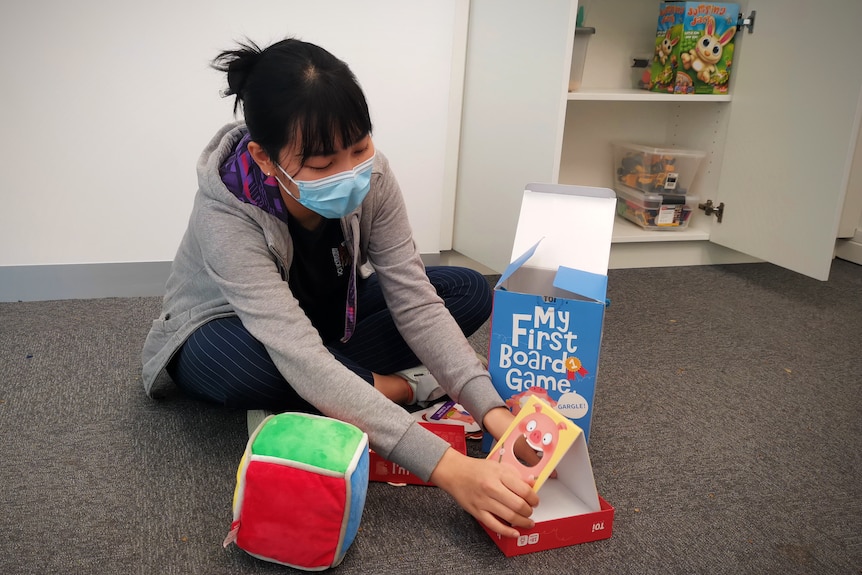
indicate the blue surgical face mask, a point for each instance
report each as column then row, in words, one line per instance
column 334, row 196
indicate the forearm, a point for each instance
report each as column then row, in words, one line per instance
column 497, row 421
column 420, row 451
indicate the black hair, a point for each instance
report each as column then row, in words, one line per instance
column 295, row 88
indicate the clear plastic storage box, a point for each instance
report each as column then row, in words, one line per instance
column 665, row 212
column 655, row 170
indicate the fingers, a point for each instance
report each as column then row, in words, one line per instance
column 493, row 493
column 511, row 506
column 497, row 526
column 502, row 518
column 524, row 491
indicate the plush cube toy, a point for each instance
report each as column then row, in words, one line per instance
column 300, row 491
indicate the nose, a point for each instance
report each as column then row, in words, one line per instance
column 344, row 163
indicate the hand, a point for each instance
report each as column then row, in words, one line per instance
column 492, row 493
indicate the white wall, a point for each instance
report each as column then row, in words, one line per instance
column 108, row 105
column 851, row 215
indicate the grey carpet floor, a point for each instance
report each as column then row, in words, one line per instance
column 726, row 434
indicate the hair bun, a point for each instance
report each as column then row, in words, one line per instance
column 238, row 65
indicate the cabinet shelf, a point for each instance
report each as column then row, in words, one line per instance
column 633, row 95
column 627, row 232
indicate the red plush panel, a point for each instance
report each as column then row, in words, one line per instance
column 290, row 515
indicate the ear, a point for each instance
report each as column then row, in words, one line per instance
column 261, row 158
column 674, row 42
column 562, row 425
column 727, row 36
column 710, row 26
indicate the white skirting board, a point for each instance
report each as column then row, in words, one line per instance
column 128, row 279
column 83, row 281
column 850, row 249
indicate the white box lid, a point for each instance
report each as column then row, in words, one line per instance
column 576, row 222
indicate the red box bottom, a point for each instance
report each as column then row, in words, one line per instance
column 557, row 533
column 384, row 470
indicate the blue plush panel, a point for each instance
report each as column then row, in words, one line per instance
column 358, row 490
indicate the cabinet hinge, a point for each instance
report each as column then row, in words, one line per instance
column 744, row 21
column 711, row 208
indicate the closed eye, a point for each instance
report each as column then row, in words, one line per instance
column 362, row 146
column 325, row 162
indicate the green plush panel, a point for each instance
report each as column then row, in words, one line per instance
column 318, row 441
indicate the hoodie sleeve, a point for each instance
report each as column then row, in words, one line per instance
column 419, row 313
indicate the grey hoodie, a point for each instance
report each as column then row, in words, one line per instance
column 232, row 261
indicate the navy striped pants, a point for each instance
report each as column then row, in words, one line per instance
column 221, row 362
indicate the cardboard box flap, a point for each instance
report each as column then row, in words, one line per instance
column 585, row 284
column 557, row 501
column 592, row 286
column 576, row 473
column 517, row 263
column 576, row 222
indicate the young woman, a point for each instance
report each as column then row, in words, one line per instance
column 267, row 306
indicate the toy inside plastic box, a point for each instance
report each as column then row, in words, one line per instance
column 570, row 509
column 662, row 212
column 546, row 323
column 655, row 170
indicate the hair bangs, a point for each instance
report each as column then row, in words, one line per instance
column 336, row 117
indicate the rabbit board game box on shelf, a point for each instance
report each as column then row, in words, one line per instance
column 546, row 323
column 694, row 47
column 570, row 510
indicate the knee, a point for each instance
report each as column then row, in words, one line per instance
column 469, row 295
column 481, row 290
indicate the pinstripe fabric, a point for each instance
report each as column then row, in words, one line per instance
column 221, row 362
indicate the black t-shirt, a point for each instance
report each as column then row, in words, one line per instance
column 319, row 275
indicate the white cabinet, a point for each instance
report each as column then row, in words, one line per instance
column 779, row 148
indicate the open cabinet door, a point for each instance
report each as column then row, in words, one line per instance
column 788, row 150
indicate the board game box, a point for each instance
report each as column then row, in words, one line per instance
column 694, row 47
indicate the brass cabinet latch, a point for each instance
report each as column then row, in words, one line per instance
column 711, row 208
column 746, row 22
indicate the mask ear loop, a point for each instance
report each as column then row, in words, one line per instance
column 286, row 189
